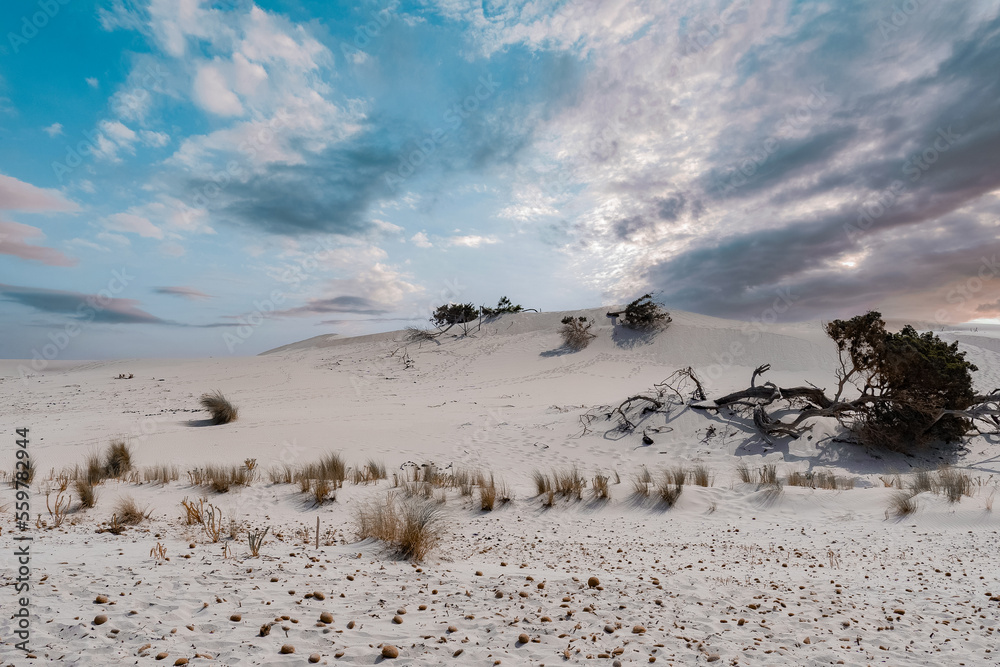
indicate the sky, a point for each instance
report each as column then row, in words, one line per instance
column 192, row 178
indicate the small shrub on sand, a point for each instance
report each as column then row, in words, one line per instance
column 255, row 539
column 129, row 513
column 901, row 504
column 410, row 529
column 86, row 493
column 575, row 332
column 644, row 314
column 117, row 459
column 222, row 410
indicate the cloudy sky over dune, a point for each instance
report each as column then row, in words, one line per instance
column 191, row 178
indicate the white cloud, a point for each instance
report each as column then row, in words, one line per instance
column 133, row 224
column 155, row 139
column 420, row 240
column 53, row 130
column 472, row 241
column 211, row 92
column 92, row 82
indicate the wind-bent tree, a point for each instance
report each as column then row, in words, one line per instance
column 911, row 388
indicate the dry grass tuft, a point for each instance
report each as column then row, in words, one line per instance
column 129, row 513
column 222, row 410
column 542, row 482
column 767, row 475
column 412, row 529
column 372, row 471
column 221, row 478
column 161, row 474
column 955, row 484
column 194, row 514
column 86, row 493
column 487, row 495
column 701, row 476
column 323, row 490
column 117, row 459
column 284, row 474
column 670, row 486
column 599, row 487
column 920, row 482
column 745, row 474
column 901, row 504
column 641, row 482
column 330, row 468
column 569, row 483
column 95, row 469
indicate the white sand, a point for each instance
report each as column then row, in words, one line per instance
column 817, row 575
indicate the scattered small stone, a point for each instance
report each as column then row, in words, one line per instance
column 523, row 638
column 389, row 651
column 180, row 661
column 638, row 629
column 100, row 619
column 235, row 618
column 452, row 628
column 397, row 619
column 161, row 655
column 326, row 617
column 458, row 653
column 101, row 599
column 287, row 648
column 315, row 657
column 350, row 626
column 319, row 595
column 593, row 582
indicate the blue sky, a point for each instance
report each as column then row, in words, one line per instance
column 185, row 178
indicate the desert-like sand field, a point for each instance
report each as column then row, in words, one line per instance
column 759, row 572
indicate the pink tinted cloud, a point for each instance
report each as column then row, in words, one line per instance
column 17, row 195
column 13, row 241
column 182, row 291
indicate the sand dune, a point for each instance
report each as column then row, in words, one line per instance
column 734, row 573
